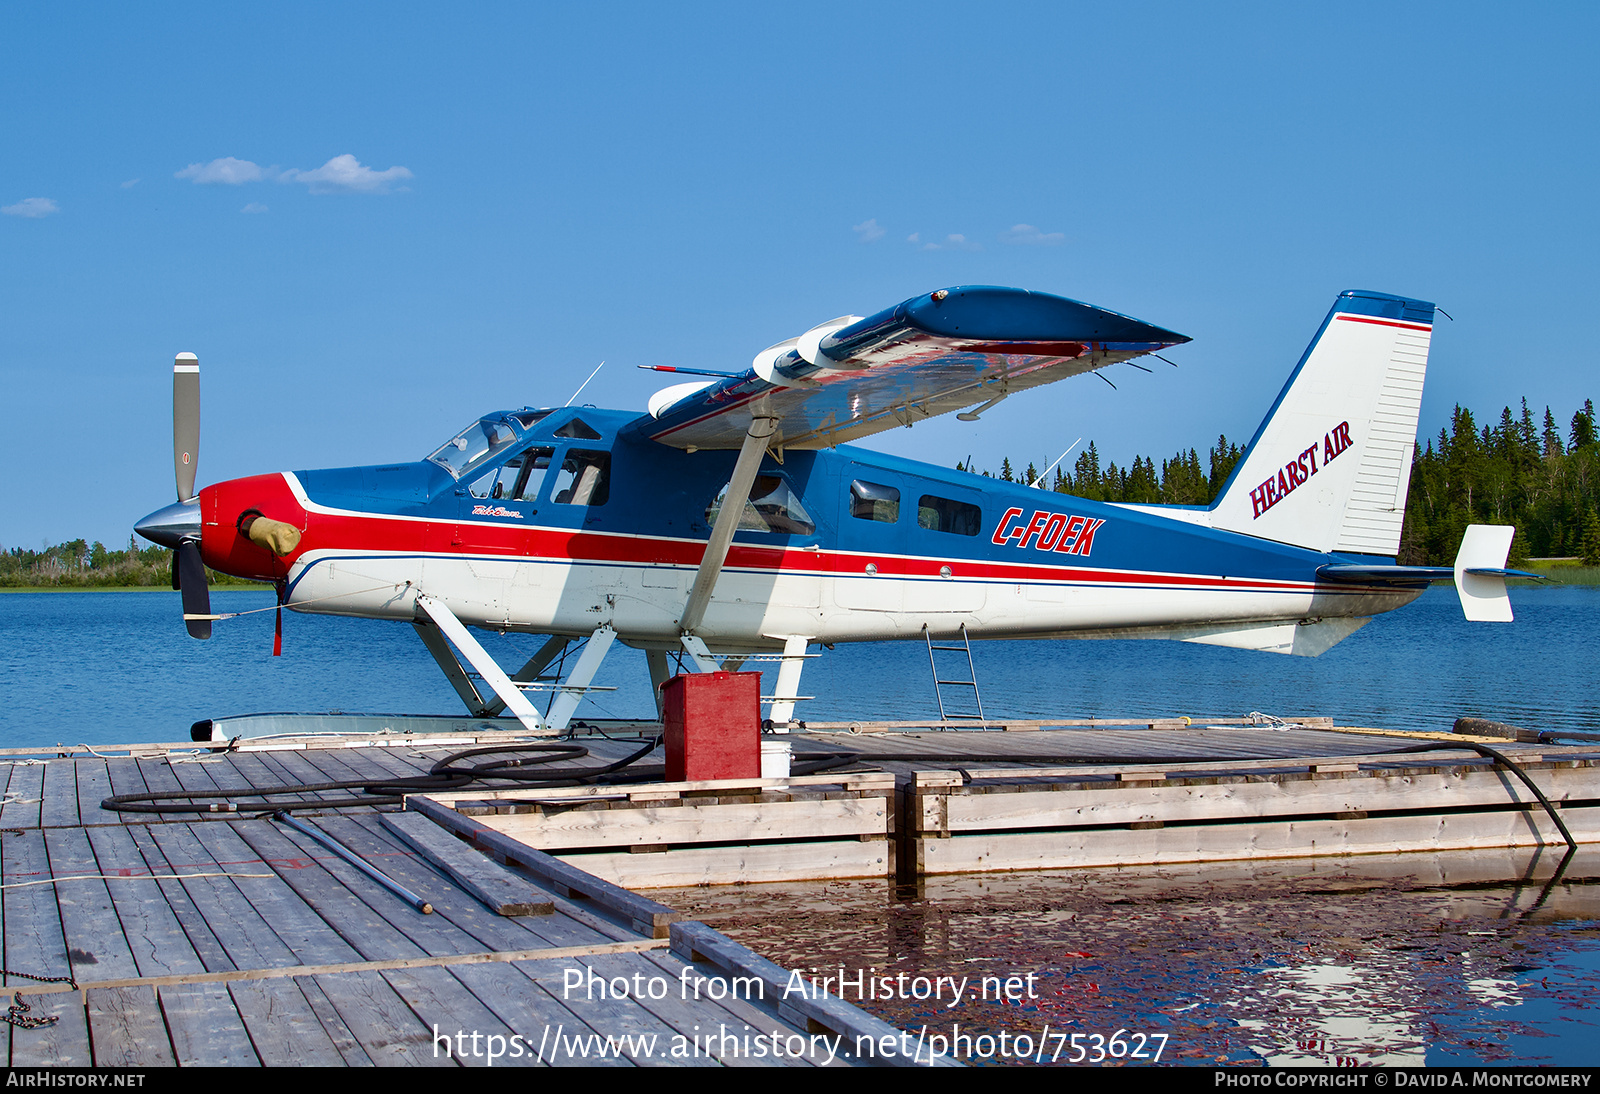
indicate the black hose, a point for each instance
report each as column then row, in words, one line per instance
column 444, row 775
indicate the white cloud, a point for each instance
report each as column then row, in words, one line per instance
column 227, row 170
column 32, row 208
column 1029, row 236
column 953, row 242
column 254, row 207
column 869, row 231
column 345, row 175
column 130, row 184
column 914, row 237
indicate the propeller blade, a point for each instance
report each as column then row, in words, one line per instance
column 185, row 422
column 196, row 592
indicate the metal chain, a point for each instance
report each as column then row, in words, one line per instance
column 18, row 1013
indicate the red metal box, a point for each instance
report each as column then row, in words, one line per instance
column 713, row 725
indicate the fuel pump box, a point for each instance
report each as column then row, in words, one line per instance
column 713, row 725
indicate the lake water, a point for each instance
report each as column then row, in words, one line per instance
column 1408, row 959
column 118, row 667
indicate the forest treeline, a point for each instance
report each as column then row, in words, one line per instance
column 1535, row 475
column 78, row 564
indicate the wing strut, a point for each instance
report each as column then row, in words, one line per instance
column 751, row 450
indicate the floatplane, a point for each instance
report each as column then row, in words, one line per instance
column 735, row 519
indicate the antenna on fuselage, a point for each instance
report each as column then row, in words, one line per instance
column 1039, row 482
column 585, row 383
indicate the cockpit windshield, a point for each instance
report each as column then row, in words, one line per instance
column 480, row 441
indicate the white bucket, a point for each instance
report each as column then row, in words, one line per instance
column 775, row 758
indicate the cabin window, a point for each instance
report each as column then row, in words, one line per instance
column 517, row 480
column 584, row 479
column 874, row 501
column 944, row 515
column 771, row 507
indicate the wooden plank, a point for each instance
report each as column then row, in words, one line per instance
column 128, row 1028
column 758, row 1016
column 26, row 792
column 60, row 805
column 224, row 928
column 158, row 775
column 206, row 1029
column 333, row 1024
column 279, row 1022
column 737, row 865
column 526, row 996
column 502, row 891
column 91, row 931
column 345, row 899
column 972, row 810
column 126, row 1023
column 126, row 778
column 568, row 927
column 94, row 786
column 285, row 1030
column 34, row 943
column 866, row 780
column 691, row 822
column 698, row 944
column 363, row 1018
column 1413, row 761
column 202, row 1023
column 156, row 941
column 1072, row 849
column 648, row 917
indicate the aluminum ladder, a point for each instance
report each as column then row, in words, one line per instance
column 939, row 684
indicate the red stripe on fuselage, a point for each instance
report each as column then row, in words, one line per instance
column 356, row 533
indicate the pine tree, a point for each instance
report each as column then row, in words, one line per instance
column 1591, row 539
column 1583, row 426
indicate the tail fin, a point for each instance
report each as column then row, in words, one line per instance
column 1330, row 465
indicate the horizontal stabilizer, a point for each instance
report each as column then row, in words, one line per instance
column 1481, row 575
column 1411, row 575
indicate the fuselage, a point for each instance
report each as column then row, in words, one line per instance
column 568, row 520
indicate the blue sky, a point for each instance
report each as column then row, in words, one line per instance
column 424, row 213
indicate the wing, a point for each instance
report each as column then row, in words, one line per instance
column 933, row 354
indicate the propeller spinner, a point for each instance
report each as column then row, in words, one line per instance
column 178, row 526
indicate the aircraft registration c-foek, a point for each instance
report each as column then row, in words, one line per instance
column 732, row 519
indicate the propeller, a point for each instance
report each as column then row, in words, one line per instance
column 178, row 526
column 185, row 422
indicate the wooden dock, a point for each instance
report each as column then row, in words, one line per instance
column 235, row 938
column 239, row 942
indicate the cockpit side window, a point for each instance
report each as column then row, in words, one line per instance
column 517, row 479
column 584, row 478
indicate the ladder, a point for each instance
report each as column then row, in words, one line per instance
column 939, row 684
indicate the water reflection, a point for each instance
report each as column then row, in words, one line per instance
column 1464, row 957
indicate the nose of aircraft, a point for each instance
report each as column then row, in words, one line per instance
column 172, row 525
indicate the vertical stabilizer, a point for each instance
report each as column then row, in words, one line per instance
column 1330, row 465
